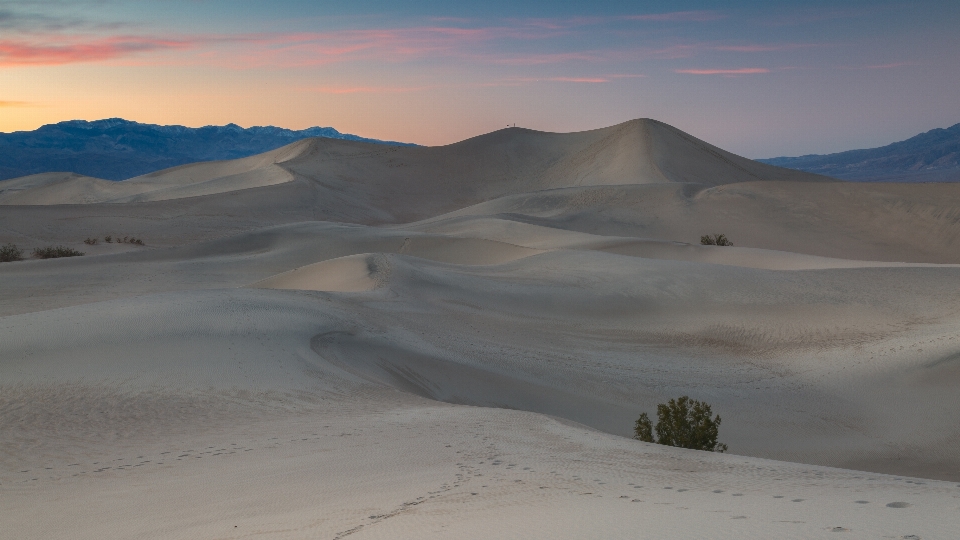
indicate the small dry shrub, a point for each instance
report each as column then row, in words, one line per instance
column 125, row 240
column 715, row 240
column 10, row 253
column 51, row 252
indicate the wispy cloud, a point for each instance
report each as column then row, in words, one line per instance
column 22, row 52
column 16, row 104
column 526, row 42
column 738, row 71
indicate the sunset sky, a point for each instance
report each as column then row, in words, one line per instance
column 759, row 78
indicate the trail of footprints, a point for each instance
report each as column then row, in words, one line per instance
column 500, row 470
column 497, row 469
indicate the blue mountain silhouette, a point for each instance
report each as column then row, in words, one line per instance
column 933, row 156
column 117, row 149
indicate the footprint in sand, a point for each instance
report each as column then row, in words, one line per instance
column 799, row 500
column 862, row 502
column 899, row 504
column 839, row 529
column 718, row 491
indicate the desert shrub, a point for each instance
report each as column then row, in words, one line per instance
column 51, row 252
column 715, row 240
column 684, row 423
column 124, row 240
column 10, row 253
column 108, row 239
column 90, row 241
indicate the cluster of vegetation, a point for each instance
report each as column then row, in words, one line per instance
column 10, row 253
column 55, row 252
column 684, row 423
column 125, row 240
column 715, row 240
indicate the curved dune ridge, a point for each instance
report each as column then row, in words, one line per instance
column 368, row 271
column 339, row 339
column 353, row 273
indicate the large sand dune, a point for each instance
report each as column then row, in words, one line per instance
column 340, row 339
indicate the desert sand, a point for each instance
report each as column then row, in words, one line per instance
column 338, row 339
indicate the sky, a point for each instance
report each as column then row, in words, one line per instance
column 759, row 78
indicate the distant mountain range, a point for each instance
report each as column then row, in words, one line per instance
column 933, row 156
column 117, row 149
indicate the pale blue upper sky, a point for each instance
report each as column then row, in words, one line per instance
column 757, row 78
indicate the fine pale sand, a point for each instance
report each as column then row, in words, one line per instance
column 340, row 339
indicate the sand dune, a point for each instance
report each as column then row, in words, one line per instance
column 343, row 340
column 418, row 180
column 880, row 222
column 193, row 180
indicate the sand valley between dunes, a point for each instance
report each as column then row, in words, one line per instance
column 340, row 339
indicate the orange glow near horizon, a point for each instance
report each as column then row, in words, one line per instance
column 763, row 83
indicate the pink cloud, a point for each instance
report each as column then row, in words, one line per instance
column 382, row 45
column 259, row 50
column 61, row 50
column 16, row 104
column 739, row 71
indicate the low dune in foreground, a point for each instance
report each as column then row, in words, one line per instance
column 338, row 339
